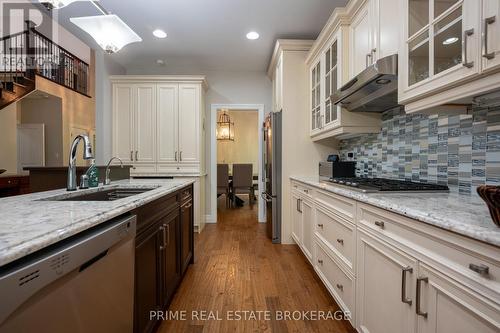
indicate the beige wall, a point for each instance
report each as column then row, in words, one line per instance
column 46, row 111
column 77, row 110
column 8, row 138
column 245, row 147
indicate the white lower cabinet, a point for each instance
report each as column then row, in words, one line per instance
column 296, row 219
column 445, row 306
column 307, row 227
column 385, row 278
column 394, row 274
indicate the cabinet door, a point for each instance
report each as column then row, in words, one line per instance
column 170, row 259
column 189, row 123
column 296, row 219
column 147, row 277
column 316, row 116
column 278, row 81
column 360, row 54
column 307, row 225
column 123, row 122
column 386, row 27
column 445, row 306
column 167, row 135
column 145, row 129
column 186, row 229
column 490, row 21
column 385, row 288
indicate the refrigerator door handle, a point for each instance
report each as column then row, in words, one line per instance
column 266, row 197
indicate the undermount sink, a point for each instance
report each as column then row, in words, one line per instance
column 106, row 195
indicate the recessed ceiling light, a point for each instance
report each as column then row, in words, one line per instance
column 158, row 33
column 160, row 62
column 252, row 35
column 450, row 40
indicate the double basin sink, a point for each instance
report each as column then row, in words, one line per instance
column 103, row 195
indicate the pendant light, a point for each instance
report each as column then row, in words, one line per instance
column 109, row 31
column 225, row 128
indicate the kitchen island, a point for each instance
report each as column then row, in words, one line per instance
column 162, row 213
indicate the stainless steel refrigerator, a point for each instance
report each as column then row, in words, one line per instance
column 272, row 174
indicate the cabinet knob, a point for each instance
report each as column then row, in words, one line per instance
column 340, row 287
column 320, row 225
column 340, row 241
column 320, row 261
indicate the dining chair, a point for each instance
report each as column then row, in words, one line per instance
column 223, row 182
column 243, row 181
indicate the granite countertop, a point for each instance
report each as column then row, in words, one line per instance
column 30, row 222
column 466, row 215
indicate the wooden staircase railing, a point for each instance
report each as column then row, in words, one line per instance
column 29, row 53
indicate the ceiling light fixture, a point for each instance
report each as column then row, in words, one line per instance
column 158, row 33
column 252, row 35
column 109, row 31
column 225, row 127
column 57, row 4
column 450, row 40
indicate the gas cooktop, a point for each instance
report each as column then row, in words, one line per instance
column 387, row 185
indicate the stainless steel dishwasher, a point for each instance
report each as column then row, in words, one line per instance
column 83, row 284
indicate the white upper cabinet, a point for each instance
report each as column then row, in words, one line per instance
column 167, row 122
column 145, row 123
column 386, row 27
column 123, row 122
column 373, row 33
column 158, row 123
column 490, row 20
column 440, row 49
column 189, row 123
column 361, row 41
column 278, row 84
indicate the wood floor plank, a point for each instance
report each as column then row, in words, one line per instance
column 237, row 268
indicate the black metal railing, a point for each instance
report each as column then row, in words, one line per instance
column 29, row 53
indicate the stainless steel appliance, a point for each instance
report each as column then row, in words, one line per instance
column 272, row 174
column 82, row 284
column 373, row 90
column 367, row 185
column 329, row 170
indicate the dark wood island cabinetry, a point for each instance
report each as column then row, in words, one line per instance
column 164, row 250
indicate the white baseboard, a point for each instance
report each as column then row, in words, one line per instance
column 210, row 219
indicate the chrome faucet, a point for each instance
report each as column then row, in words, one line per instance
column 87, row 155
column 107, row 181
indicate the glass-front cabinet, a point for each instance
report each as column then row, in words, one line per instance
column 440, row 45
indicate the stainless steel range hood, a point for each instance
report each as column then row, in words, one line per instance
column 373, row 90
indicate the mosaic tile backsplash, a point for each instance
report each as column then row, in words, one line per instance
column 461, row 151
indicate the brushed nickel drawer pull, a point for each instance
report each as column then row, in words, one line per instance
column 465, row 62
column 340, row 287
column 162, row 229
column 487, row 22
column 405, row 299
column 320, row 225
column 131, row 155
column 419, row 288
column 340, row 241
column 136, row 155
column 320, row 261
column 306, row 191
column 480, row 269
column 380, row 224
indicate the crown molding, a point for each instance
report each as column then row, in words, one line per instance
column 287, row 45
column 160, row 78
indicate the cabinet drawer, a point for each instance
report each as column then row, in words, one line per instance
column 339, row 283
column 9, row 182
column 143, row 169
column 304, row 190
column 340, row 205
column 337, row 234
column 178, row 168
column 465, row 257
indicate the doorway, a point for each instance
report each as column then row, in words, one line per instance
column 233, row 155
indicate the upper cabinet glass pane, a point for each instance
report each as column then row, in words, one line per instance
column 418, row 15
column 334, row 54
column 448, row 41
column 440, row 6
column 327, row 65
column 418, row 65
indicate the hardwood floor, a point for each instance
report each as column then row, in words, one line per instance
column 237, row 268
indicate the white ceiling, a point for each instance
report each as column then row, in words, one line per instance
column 207, row 34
